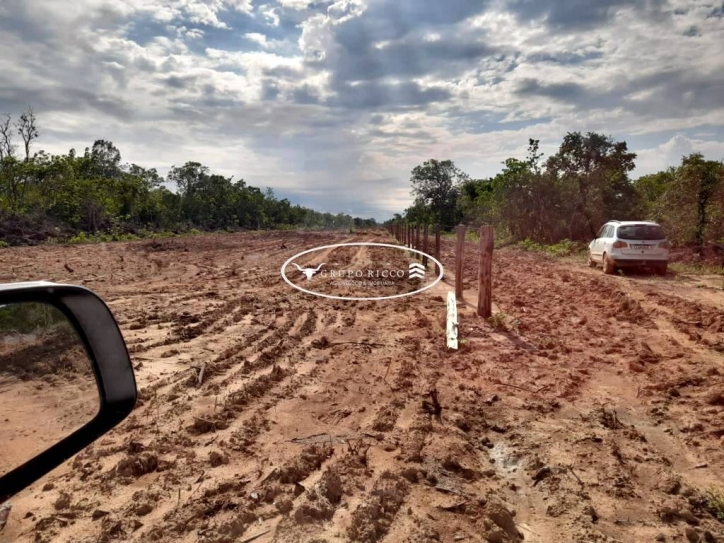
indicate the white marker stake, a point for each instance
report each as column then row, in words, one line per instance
column 452, row 321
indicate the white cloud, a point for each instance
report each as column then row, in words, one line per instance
column 270, row 15
column 173, row 81
column 671, row 152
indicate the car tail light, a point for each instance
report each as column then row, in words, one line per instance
column 664, row 245
column 620, row 244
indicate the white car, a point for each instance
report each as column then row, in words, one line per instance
column 621, row 244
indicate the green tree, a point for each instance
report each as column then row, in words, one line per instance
column 593, row 170
column 435, row 184
column 691, row 206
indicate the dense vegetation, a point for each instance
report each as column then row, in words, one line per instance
column 71, row 195
column 572, row 193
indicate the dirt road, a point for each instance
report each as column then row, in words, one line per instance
column 591, row 409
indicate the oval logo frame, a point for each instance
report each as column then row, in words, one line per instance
column 362, row 298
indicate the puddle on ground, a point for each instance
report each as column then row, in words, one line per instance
column 506, row 460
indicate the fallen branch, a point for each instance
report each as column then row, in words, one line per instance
column 360, row 343
column 388, row 370
column 252, row 538
column 570, row 468
column 434, row 407
column 536, row 391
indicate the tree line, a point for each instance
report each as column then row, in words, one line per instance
column 44, row 195
column 572, row 193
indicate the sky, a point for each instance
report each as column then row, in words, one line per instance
column 333, row 102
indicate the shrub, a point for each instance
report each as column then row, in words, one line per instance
column 714, row 502
column 560, row 249
column 497, row 321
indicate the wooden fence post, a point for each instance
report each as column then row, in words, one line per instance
column 485, row 272
column 437, row 245
column 424, row 247
column 452, row 321
column 417, row 237
column 459, row 253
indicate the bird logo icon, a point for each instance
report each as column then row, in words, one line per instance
column 308, row 272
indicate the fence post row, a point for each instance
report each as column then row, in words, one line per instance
column 437, row 246
column 459, row 254
column 485, row 272
column 424, row 247
column 410, row 234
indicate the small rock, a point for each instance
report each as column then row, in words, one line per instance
column 496, row 537
column 143, row 508
column 137, row 465
column 691, row 535
column 591, row 512
column 503, row 519
column 63, row 501
column 541, row 474
column 4, row 514
column 284, row 506
column 671, row 485
column 461, row 422
column 660, row 537
column 556, row 509
column 134, row 447
column 48, row 486
column 715, row 397
column 411, row 474
column 217, row 459
column 671, row 514
column 98, row 513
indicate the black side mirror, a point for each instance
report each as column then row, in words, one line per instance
column 65, row 378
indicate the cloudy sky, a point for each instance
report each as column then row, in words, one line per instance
column 332, row 103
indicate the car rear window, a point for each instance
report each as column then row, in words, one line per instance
column 640, row 231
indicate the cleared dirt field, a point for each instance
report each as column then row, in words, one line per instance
column 591, row 410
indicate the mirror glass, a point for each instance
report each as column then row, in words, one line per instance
column 47, row 386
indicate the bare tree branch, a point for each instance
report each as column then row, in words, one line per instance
column 7, row 149
column 28, row 129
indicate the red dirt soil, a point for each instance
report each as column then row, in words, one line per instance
column 590, row 409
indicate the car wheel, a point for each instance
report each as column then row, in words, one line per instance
column 608, row 266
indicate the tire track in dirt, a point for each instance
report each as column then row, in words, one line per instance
column 555, row 423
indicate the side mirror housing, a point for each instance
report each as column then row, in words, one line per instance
column 57, row 341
